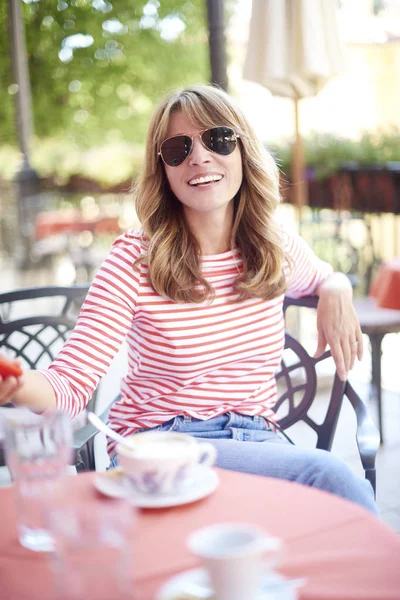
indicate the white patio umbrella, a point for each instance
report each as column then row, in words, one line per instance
column 293, row 50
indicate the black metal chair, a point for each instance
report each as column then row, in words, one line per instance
column 297, row 388
column 296, row 400
column 35, row 323
column 38, row 338
column 332, row 240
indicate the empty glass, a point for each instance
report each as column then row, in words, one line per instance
column 93, row 549
column 38, row 451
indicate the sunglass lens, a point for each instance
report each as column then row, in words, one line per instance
column 176, row 149
column 221, row 140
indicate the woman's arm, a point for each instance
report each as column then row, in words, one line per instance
column 337, row 321
column 104, row 319
column 338, row 324
column 29, row 389
column 32, row 390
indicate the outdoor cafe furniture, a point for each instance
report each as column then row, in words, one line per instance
column 297, row 384
column 342, row 551
column 386, row 286
column 34, row 324
column 297, row 378
column 379, row 314
column 73, row 221
column 72, row 232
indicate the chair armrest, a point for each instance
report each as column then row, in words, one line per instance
column 367, row 434
column 306, row 301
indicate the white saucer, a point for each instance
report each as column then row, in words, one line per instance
column 201, row 482
column 195, row 584
column 112, row 483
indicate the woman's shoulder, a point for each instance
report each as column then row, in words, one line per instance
column 132, row 241
column 295, row 247
column 288, row 237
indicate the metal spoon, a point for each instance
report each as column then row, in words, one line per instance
column 98, row 423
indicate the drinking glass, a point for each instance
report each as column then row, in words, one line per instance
column 38, row 451
column 93, row 552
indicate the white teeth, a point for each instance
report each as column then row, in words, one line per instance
column 205, row 179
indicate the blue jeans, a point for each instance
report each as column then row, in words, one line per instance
column 237, row 440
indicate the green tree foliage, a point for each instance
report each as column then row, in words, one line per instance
column 97, row 66
column 7, row 112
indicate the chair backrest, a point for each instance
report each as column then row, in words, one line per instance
column 297, row 388
column 297, row 383
column 37, row 339
column 35, row 322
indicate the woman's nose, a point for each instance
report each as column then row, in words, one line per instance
column 199, row 153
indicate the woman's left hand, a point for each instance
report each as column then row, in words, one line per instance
column 337, row 324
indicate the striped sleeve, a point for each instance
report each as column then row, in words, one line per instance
column 304, row 270
column 102, row 325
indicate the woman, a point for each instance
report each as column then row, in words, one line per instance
column 198, row 295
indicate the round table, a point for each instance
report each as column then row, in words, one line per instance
column 344, row 552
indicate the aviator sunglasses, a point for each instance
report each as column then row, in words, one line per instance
column 175, row 150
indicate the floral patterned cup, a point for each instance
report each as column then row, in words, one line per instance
column 158, row 462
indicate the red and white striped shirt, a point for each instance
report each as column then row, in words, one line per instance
column 200, row 360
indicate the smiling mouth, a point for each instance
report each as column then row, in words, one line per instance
column 204, row 181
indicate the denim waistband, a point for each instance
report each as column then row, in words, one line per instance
column 229, row 425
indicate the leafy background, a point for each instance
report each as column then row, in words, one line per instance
column 97, row 67
column 91, row 104
column 104, row 91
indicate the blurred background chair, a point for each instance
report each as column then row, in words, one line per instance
column 35, row 323
column 376, row 322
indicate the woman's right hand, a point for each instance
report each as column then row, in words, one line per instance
column 9, row 385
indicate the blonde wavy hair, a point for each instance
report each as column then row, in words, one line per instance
column 173, row 254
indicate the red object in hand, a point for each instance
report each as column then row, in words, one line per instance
column 9, row 369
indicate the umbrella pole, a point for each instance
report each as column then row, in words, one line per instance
column 299, row 182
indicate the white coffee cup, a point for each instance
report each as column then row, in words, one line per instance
column 158, row 462
column 236, row 557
